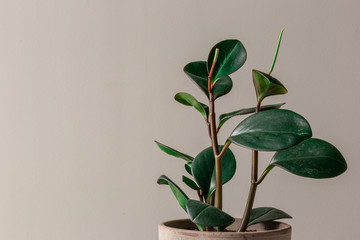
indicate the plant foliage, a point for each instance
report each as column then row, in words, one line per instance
column 267, row 128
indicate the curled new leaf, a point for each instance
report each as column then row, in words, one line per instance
column 226, row 116
column 178, row 193
column 189, row 100
column 207, row 215
column 232, row 55
column 266, row 85
column 203, row 169
column 271, row 130
column 198, row 72
column 174, row 152
column 313, row 158
column 264, row 214
column 277, row 51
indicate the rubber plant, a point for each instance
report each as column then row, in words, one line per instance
column 268, row 128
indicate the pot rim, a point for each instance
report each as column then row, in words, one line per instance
column 283, row 228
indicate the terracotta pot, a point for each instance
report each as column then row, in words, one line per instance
column 182, row 230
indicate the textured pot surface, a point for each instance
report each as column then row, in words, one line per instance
column 181, row 230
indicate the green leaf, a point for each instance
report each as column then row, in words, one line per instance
column 174, row 152
column 198, row 72
column 264, row 214
column 271, row 130
column 203, row 169
column 226, row 116
column 190, row 183
column 266, row 85
column 188, row 167
column 178, row 193
column 232, row 55
column 207, row 215
column 313, row 158
column 277, row 51
column 189, row 100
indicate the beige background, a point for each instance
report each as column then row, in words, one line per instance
column 86, row 86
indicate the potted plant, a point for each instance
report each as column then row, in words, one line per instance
column 267, row 128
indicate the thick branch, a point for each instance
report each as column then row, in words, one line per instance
column 213, row 133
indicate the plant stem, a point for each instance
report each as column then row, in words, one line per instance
column 252, row 192
column 226, row 146
column 263, row 175
column 253, row 186
column 214, row 140
column 215, row 145
column 255, row 158
column 249, row 205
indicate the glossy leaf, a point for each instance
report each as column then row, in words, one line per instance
column 190, row 183
column 189, row 100
column 232, row 55
column 188, row 167
column 313, row 158
column 207, row 215
column 174, row 152
column 271, row 130
column 203, row 169
column 178, row 193
column 266, row 85
column 226, row 116
column 264, row 214
column 198, row 72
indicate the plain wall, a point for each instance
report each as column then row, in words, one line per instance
column 86, row 86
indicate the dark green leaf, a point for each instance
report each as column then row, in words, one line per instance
column 197, row 71
column 264, row 214
column 266, row 85
column 190, row 183
column 232, row 55
column 178, row 193
column 224, row 117
column 188, row 166
column 203, row 169
column 207, row 215
column 313, row 158
column 271, row 130
column 174, row 152
column 189, row 100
